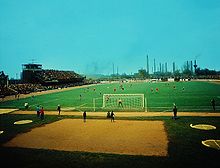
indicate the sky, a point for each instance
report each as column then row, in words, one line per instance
column 90, row 36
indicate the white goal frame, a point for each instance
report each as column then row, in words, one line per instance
column 142, row 102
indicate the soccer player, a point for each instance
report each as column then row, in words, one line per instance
column 108, row 114
column 174, row 112
column 38, row 111
column 213, row 103
column 120, row 102
column 84, row 116
column 26, row 105
column 42, row 113
column 58, row 109
column 107, row 98
column 112, row 116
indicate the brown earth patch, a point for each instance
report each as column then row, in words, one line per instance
column 4, row 111
column 147, row 138
column 124, row 114
column 216, row 82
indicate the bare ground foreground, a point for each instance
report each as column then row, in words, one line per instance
column 147, row 138
column 130, row 137
column 120, row 114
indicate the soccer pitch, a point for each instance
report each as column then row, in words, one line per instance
column 159, row 96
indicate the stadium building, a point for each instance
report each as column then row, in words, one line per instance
column 33, row 73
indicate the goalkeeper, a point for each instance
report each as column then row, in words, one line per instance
column 120, row 102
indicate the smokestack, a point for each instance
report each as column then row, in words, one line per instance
column 113, row 68
column 147, row 64
column 154, row 65
column 166, row 67
column 174, row 67
column 187, row 65
column 160, row 68
column 191, row 66
column 195, row 66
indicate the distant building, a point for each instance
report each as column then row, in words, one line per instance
column 3, row 79
column 33, row 73
column 29, row 73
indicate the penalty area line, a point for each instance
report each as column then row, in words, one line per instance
column 80, row 106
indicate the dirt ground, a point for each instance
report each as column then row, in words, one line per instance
column 124, row 114
column 146, row 138
column 216, row 82
column 4, row 111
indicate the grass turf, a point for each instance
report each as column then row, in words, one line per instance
column 185, row 148
column 195, row 96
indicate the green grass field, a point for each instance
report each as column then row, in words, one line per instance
column 184, row 148
column 196, row 96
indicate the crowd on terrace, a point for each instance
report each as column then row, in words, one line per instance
column 63, row 79
column 50, row 75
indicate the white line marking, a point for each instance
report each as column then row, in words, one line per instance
column 82, row 105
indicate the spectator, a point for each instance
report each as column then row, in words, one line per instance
column 58, row 109
column 42, row 113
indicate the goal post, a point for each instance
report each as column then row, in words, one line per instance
column 123, row 101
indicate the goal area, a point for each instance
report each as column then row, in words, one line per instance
column 123, row 102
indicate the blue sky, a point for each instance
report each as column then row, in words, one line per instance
column 88, row 36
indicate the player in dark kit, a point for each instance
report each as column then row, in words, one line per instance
column 58, row 109
column 38, row 110
column 120, row 103
column 84, row 116
column 174, row 112
column 108, row 114
column 213, row 104
column 112, row 116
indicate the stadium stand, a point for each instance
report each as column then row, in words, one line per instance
column 48, row 77
column 35, row 79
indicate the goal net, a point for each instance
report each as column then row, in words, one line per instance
column 123, row 101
